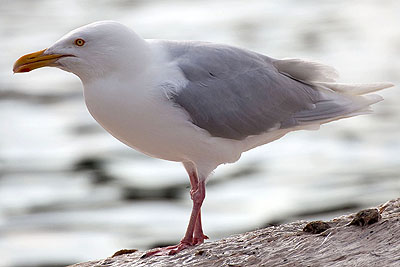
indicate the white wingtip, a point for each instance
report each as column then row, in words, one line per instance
column 373, row 98
column 307, row 71
column 355, row 88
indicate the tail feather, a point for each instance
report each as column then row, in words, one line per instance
column 306, row 71
column 333, row 105
column 354, row 88
column 324, row 76
column 337, row 100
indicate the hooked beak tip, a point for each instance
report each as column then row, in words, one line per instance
column 35, row 60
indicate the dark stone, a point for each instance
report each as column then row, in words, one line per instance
column 123, row 252
column 366, row 217
column 316, row 227
column 199, row 253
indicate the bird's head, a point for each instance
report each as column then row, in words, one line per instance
column 94, row 50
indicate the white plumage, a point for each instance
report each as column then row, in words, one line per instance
column 197, row 103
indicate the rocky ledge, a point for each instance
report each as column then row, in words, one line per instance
column 369, row 238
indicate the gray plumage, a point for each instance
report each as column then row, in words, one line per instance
column 234, row 93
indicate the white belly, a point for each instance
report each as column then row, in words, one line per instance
column 149, row 123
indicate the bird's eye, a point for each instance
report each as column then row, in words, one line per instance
column 79, row 42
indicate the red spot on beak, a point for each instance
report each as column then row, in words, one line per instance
column 25, row 70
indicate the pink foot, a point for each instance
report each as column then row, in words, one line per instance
column 194, row 232
column 171, row 250
column 197, row 240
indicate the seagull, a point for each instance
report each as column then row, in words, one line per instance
column 199, row 103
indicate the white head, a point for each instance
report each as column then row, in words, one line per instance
column 94, row 50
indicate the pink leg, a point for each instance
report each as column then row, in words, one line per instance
column 198, row 197
column 198, row 236
column 197, row 194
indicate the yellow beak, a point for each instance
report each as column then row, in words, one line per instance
column 35, row 60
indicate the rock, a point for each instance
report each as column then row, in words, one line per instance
column 366, row 217
column 124, row 251
column 377, row 243
column 316, row 227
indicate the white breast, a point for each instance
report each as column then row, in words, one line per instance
column 133, row 117
column 137, row 112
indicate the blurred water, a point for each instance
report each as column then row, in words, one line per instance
column 69, row 192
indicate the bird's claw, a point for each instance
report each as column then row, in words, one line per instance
column 197, row 240
column 171, row 250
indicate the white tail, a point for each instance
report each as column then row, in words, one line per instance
column 321, row 75
column 338, row 100
column 306, row 71
column 355, row 88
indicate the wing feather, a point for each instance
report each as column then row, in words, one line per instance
column 235, row 93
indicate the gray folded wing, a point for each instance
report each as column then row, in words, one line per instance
column 234, row 93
